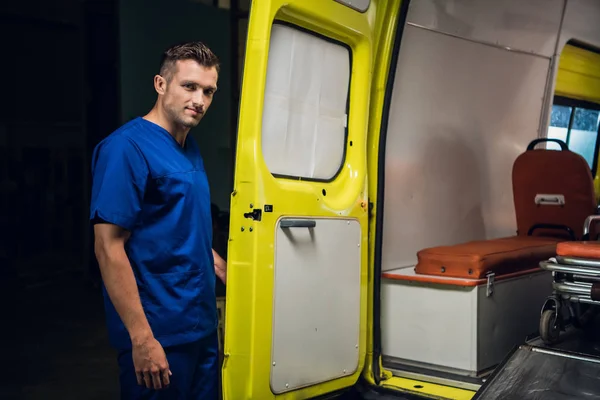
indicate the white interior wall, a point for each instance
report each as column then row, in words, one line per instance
column 581, row 22
column 531, row 26
column 463, row 108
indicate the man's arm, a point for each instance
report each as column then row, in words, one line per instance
column 220, row 267
column 148, row 355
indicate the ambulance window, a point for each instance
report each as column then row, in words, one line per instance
column 559, row 124
column 584, row 133
column 577, row 124
column 305, row 106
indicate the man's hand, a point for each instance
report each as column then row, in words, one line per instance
column 151, row 365
column 220, row 267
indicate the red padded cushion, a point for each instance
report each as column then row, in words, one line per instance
column 552, row 172
column 475, row 259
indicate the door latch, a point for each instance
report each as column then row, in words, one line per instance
column 255, row 215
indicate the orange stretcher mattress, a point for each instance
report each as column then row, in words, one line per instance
column 476, row 259
column 585, row 250
column 589, row 250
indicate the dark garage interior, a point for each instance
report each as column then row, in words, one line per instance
column 75, row 70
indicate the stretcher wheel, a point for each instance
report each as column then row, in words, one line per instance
column 549, row 327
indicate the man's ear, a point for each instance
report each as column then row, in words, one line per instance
column 160, row 84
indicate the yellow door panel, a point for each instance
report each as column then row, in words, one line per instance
column 386, row 24
column 296, row 320
column 578, row 74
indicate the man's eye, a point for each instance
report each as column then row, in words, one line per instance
column 189, row 86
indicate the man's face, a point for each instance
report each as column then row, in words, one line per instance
column 189, row 93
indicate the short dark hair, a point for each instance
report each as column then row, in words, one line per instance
column 196, row 51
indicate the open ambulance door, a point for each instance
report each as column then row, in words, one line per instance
column 296, row 316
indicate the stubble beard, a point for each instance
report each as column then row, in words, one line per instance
column 189, row 123
column 180, row 120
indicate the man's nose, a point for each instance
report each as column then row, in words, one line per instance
column 198, row 100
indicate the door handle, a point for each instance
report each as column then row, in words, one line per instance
column 298, row 223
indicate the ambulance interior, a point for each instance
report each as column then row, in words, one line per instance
column 471, row 203
column 470, row 197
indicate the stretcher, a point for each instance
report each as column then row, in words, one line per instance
column 564, row 362
column 575, row 287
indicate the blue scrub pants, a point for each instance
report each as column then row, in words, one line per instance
column 195, row 373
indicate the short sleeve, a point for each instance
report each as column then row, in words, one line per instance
column 119, row 177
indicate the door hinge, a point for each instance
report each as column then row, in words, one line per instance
column 255, row 215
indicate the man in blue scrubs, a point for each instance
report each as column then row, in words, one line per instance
column 151, row 212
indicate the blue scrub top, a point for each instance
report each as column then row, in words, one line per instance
column 145, row 182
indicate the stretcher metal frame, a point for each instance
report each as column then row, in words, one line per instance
column 571, row 299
